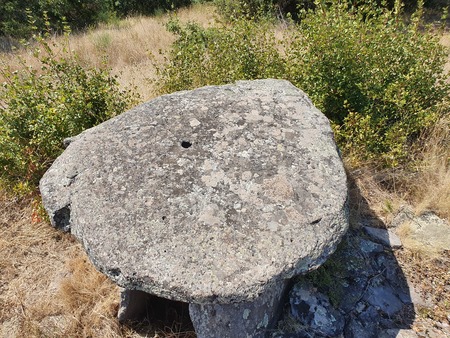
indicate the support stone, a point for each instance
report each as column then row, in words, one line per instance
column 133, row 305
column 245, row 319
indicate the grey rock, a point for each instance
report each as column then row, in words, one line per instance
column 363, row 325
column 383, row 297
column 353, row 291
column 404, row 214
column 393, row 274
column 367, row 286
column 313, row 310
column 398, row 333
column 246, row 319
column 427, row 230
column 68, row 141
column 385, row 237
column 369, row 247
column 391, row 271
column 291, row 335
column 416, row 298
column 209, row 196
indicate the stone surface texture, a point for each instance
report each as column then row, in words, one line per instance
column 253, row 319
column 359, row 292
column 425, row 230
column 384, row 236
column 205, row 196
column 314, row 310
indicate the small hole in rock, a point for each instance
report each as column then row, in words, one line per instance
column 186, row 144
column 164, row 218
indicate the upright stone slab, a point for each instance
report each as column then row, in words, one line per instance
column 215, row 197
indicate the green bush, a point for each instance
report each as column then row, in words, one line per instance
column 203, row 56
column 41, row 107
column 377, row 77
column 15, row 14
column 78, row 14
column 232, row 9
column 245, row 8
column 127, row 7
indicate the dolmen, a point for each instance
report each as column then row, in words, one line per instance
column 215, row 197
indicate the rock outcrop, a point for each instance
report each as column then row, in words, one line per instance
column 359, row 292
column 215, row 197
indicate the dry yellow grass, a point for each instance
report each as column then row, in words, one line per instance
column 431, row 190
column 445, row 40
column 47, row 287
column 426, row 186
column 130, row 48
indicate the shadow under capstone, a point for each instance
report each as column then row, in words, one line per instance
column 139, row 307
column 360, row 292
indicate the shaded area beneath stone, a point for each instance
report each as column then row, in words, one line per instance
column 359, row 292
column 139, row 306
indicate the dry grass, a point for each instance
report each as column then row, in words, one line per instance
column 445, row 40
column 430, row 275
column 131, row 47
column 47, row 287
column 431, row 190
column 134, row 45
column 425, row 185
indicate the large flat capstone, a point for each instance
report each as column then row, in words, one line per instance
column 210, row 196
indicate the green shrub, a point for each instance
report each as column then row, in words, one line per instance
column 127, row 7
column 232, row 9
column 245, row 8
column 14, row 15
column 378, row 78
column 41, row 107
column 206, row 56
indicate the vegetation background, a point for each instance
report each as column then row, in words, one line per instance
column 379, row 71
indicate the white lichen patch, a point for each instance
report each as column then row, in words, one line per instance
column 213, row 178
column 264, row 322
column 273, row 226
column 246, row 314
column 194, row 123
column 278, row 188
column 210, row 215
column 246, row 175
